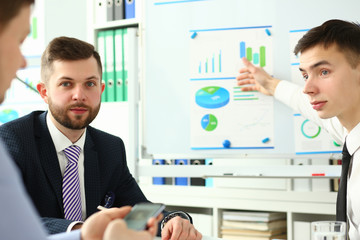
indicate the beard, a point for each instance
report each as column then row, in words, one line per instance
column 60, row 115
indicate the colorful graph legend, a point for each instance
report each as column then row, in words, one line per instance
column 243, row 96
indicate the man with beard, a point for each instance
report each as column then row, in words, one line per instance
column 18, row 219
column 68, row 167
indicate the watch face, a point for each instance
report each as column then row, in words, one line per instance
column 172, row 215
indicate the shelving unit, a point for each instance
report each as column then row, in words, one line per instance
column 308, row 206
column 271, row 191
column 124, row 110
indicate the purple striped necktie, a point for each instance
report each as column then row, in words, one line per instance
column 71, row 185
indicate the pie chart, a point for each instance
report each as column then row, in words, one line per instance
column 310, row 129
column 212, row 97
column 7, row 115
column 209, row 122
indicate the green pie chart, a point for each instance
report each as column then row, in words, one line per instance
column 209, row 122
column 310, row 129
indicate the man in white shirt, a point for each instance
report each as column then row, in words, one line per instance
column 330, row 66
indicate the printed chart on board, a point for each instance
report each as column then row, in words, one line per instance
column 223, row 116
column 309, row 137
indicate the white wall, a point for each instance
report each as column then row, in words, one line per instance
column 65, row 18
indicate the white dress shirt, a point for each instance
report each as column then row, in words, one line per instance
column 353, row 182
column 292, row 95
column 61, row 142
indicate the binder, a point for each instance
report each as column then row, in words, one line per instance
column 118, row 9
column 130, row 57
column 119, row 65
column 158, row 180
column 126, row 58
column 182, row 181
column 101, row 50
column 169, row 180
column 209, row 182
column 334, row 183
column 320, row 185
column 197, row 181
column 129, row 9
column 110, row 10
column 302, row 185
column 100, row 10
column 109, row 65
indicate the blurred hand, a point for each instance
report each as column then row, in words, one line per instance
column 258, row 79
column 180, row 229
column 94, row 227
column 108, row 225
column 117, row 230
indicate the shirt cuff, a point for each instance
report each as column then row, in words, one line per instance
column 69, row 228
column 285, row 90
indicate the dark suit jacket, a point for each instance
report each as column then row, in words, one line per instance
column 30, row 144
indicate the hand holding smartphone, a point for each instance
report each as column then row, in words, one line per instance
column 141, row 213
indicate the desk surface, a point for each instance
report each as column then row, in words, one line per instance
column 204, row 238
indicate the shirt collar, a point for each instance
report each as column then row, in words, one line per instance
column 353, row 139
column 60, row 140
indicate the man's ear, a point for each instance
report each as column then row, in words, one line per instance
column 102, row 87
column 358, row 70
column 43, row 91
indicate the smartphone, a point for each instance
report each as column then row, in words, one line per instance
column 141, row 213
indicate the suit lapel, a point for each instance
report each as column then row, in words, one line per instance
column 92, row 175
column 48, row 158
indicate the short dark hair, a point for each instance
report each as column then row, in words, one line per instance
column 9, row 9
column 68, row 49
column 345, row 35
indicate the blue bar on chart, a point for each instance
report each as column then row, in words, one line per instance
column 213, row 64
column 204, row 67
column 220, row 61
column 242, row 50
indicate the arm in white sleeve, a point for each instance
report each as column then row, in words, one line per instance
column 69, row 228
column 293, row 96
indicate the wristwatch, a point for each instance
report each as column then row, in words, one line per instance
column 181, row 214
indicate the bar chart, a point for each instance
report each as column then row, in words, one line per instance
column 211, row 64
column 257, row 58
column 217, row 53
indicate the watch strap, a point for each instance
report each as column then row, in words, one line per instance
column 171, row 215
